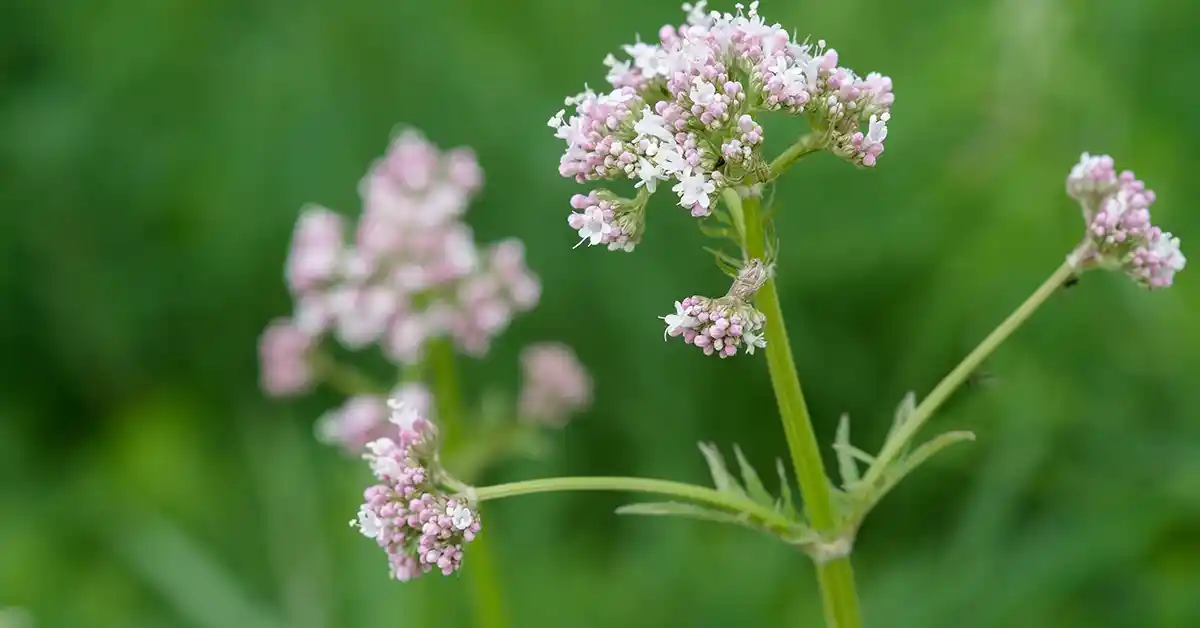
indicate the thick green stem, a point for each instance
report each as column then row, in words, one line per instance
column 836, row 576
column 688, row 492
column 488, row 602
column 955, row 378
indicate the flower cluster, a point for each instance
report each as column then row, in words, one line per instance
column 721, row 326
column 1116, row 209
column 364, row 418
column 409, row 512
column 411, row 274
column 555, row 384
column 683, row 111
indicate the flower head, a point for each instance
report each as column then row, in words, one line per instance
column 555, row 384
column 410, row 512
column 1120, row 235
column 601, row 217
column 413, row 271
column 683, row 109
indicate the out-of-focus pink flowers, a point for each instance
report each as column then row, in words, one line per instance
column 411, row 274
column 1116, row 209
column 364, row 418
column 555, row 385
column 409, row 512
column 682, row 111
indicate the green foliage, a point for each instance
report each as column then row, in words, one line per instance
column 154, row 157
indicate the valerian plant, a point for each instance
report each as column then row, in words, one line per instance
column 682, row 115
column 411, row 282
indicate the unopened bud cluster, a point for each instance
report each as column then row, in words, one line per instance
column 1120, row 235
column 682, row 111
column 722, row 326
column 410, row 513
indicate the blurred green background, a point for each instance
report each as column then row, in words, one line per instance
column 153, row 156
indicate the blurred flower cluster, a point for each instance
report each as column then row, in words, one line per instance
column 683, row 112
column 411, row 273
column 1116, row 210
column 408, row 279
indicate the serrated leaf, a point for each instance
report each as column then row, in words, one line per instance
column 680, row 509
column 751, row 481
column 847, row 467
column 722, row 479
column 785, row 490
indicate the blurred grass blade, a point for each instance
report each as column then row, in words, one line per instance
column 175, row 566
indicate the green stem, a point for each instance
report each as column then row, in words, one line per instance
column 488, row 601
column 446, row 394
column 810, row 143
column 955, row 378
column 689, row 492
column 836, row 576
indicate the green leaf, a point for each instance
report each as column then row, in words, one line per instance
column 717, row 232
column 750, row 479
column 689, row 511
column 847, row 466
column 722, row 479
column 727, row 263
column 785, row 491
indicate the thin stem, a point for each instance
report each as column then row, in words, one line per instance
column 835, row 577
column 679, row 490
column 955, row 378
column 488, row 601
column 810, row 143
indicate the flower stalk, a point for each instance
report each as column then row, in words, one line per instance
column 487, row 599
column 956, row 377
column 836, row 577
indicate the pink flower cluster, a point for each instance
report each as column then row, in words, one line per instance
column 1120, row 235
column 364, row 418
column 602, row 218
column 555, row 384
column 720, row 326
column 412, row 273
column 683, row 110
column 408, row 513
